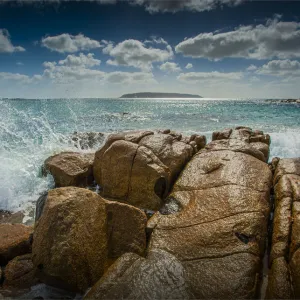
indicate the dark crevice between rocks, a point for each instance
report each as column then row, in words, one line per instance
column 266, row 263
column 242, row 237
column 130, row 174
column 160, row 187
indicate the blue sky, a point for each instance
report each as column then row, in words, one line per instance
column 214, row 48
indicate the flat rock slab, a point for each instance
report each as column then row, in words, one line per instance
column 15, row 240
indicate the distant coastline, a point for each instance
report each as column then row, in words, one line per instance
column 159, row 95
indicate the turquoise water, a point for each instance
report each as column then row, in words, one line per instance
column 31, row 130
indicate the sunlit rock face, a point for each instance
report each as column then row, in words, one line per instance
column 284, row 277
column 79, row 234
column 213, row 224
column 140, row 167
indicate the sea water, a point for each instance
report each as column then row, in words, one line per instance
column 31, row 130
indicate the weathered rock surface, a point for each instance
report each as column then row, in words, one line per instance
column 15, row 239
column 242, row 139
column 140, row 167
column 11, row 217
column 19, row 276
column 71, row 168
column 214, row 225
column 284, row 278
column 79, row 234
column 160, row 276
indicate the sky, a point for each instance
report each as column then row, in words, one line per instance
column 105, row 48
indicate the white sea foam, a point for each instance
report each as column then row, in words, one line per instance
column 28, row 137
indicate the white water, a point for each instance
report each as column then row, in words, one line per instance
column 28, row 138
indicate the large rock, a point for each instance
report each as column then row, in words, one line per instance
column 11, row 217
column 15, row 240
column 140, row 167
column 160, row 276
column 284, row 278
column 19, row 276
column 79, row 234
column 71, row 168
column 242, row 139
column 214, row 225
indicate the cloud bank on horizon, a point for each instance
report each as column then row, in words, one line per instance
column 246, row 59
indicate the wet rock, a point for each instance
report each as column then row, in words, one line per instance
column 87, row 140
column 71, row 168
column 19, row 276
column 159, row 276
column 15, row 240
column 39, row 207
column 11, row 217
column 140, row 167
column 285, row 258
column 80, row 234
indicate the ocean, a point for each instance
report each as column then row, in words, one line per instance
column 31, row 130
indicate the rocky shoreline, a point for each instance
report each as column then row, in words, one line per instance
column 158, row 215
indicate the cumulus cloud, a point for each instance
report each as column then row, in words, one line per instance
column 81, row 60
column 273, row 39
column 196, row 77
column 156, row 6
column 251, row 68
column 19, row 77
column 6, row 45
column 80, row 68
column 189, row 66
column 135, row 54
column 280, row 68
column 69, row 43
column 170, row 67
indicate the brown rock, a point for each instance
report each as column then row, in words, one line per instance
column 140, row 167
column 71, row 168
column 10, row 217
column 19, row 273
column 218, row 232
column 160, row 276
column 15, row 240
column 221, row 135
column 80, row 233
column 279, row 285
column 285, row 271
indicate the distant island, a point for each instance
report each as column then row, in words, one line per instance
column 159, row 95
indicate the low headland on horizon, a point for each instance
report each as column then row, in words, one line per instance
column 159, row 95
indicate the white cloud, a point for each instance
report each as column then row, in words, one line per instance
column 280, row 68
column 189, row 66
column 19, row 77
column 251, row 68
column 155, row 6
column 170, row 67
column 5, row 43
column 196, row 77
column 69, row 43
column 274, row 39
column 79, row 68
column 130, row 78
column 134, row 53
column 80, row 60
